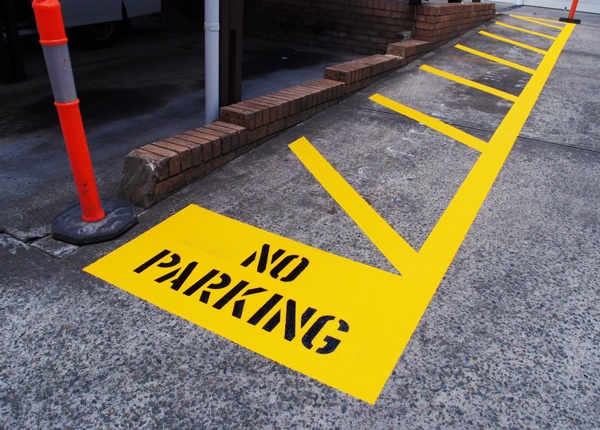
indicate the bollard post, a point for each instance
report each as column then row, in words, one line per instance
column 86, row 222
column 571, row 17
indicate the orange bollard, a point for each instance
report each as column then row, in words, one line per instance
column 88, row 222
column 81, row 163
column 54, row 43
column 571, row 17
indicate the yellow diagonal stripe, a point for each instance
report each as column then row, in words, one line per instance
column 537, row 21
column 548, row 20
column 524, row 30
column 384, row 237
column 513, row 42
column 469, row 83
column 440, row 247
column 431, row 122
column 495, row 59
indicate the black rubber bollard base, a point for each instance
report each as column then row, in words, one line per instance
column 69, row 227
column 572, row 21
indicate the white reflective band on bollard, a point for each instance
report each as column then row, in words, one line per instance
column 60, row 72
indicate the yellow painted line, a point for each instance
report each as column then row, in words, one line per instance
column 524, row 30
column 442, row 244
column 469, row 83
column 336, row 320
column 431, row 122
column 513, row 42
column 537, row 21
column 323, row 315
column 384, row 237
column 495, row 59
column 549, row 20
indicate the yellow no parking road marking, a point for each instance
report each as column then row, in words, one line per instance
column 485, row 88
column 524, row 30
column 495, row 59
column 538, row 21
column 336, row 320
column 513, row 42
column 392, row 245
column 451, row 228
column 431, row 122
column 328, row 317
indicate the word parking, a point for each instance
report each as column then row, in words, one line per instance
column 328, row 317
column 212, row 281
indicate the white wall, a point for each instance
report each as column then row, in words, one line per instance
column 591, row 6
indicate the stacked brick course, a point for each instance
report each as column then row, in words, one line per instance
column 362, row 26
column 438, row 23
column 156, row 170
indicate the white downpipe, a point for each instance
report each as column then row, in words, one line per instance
column 211, row 59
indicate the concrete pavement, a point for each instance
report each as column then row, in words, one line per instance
column 152, row 76
column 509, row 340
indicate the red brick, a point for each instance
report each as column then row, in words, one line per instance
column 257, row 134
column 249, row 147
column 282, row 102
column 172, row 157
column 160, row 162
column 196, row 172
column 269, row 109
column 292, row 120
column 220, row 144
column 235, row 115
column 276, row 127
column 169, row 186
column 222, row 160
column 294, row 99
column 275, row 104
column 238, row 133
column 408, row 48
column 228, row 138
column 257, row 112
column 185, row 154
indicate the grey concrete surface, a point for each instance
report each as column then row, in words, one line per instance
column 510, row 340
column 148, row 86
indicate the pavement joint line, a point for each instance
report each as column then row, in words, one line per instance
column 485, row 130
column 565, row 145
column 392, row 245
column 495, row 59
column 513, row 42
column 469, row 83
column 524, row 30
column 434, row 123
column 536, row 21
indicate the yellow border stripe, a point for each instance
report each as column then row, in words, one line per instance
column 469, row 83
column 431, row 122
column 548, row 20
column 390, row 243
column 442, row 244
column 535, row 21
column 495, row 59
column 513, row 42
column 524, row 30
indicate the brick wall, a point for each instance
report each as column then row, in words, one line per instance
column 442, row 22
column 363, row 26
column 158, row 169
